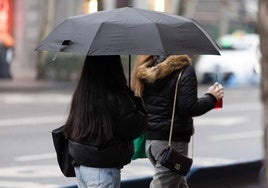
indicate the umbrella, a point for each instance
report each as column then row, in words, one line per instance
column 129, row 31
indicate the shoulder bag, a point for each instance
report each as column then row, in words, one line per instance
column 63, row 157
column 170, row 158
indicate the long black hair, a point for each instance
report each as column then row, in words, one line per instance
column 94, row 100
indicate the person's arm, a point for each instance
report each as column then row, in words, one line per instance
column 133, row 117
column 188, row 102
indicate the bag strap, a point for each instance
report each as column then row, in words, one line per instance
column 173, row 114
column 173, row 111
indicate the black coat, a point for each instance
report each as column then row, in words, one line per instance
column 115, row 152
column 159, row 97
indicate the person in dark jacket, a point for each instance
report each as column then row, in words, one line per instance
column 104, row 118
column 154, row 79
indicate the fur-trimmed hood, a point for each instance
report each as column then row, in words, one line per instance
column 151, row 73
column 145, row 71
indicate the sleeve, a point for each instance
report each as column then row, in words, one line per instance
column 187, row 99
column 133, row 117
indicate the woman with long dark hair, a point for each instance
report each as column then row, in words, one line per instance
column 104, row 118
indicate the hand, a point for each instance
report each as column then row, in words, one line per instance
column 216, row 90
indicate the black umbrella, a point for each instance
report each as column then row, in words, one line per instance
column 129, row 31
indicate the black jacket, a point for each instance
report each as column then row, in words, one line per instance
column 158, row 96
column 116, row 152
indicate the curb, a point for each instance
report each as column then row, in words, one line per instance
column 34, row 85
column 239, row 175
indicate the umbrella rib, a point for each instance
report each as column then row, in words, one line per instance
column 89, row 49
column 208, row 37
column 160, row 38
column 101, row 25
column 155, row 27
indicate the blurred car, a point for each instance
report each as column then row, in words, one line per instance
column 239, row 62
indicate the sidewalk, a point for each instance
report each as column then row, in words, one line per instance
column 34, row 85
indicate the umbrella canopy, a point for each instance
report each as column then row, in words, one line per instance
column 129, row 31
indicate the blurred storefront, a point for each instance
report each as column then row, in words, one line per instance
column 6, row 38
column 29, row 21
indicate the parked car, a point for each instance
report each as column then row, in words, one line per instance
column 239, row 62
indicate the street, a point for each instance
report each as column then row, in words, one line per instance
column 222, row 136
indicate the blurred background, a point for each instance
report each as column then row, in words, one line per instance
column 23, row 23
column 35, row 94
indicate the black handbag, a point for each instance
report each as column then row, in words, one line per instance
column 175, row 161
column 170, row 158
column 63, row 157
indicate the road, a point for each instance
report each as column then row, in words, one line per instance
column 222, row 136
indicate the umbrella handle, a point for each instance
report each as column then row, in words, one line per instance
column 129, row 70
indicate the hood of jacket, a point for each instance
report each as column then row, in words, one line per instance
column 149, row 73
column 170, row 64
